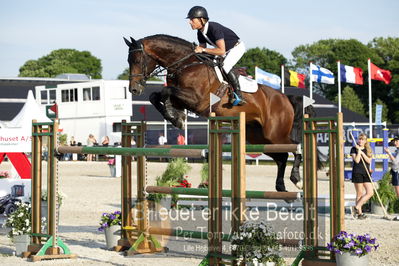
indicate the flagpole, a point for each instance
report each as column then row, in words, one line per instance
column 339, row 86
column 282, row 79
column 370, row 100
column 310, row 81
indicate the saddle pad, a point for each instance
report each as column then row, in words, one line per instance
column 247, row 84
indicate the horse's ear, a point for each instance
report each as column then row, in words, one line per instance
column 127, row 42
column 134, row 43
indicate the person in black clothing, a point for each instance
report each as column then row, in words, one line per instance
column 361, row 174
column 225, row 42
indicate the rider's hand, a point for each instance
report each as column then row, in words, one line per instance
column 199, row 49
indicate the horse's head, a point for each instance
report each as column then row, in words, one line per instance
column 141, row 66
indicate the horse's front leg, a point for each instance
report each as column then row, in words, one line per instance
column 281, row 161
column 295, row 176
column 158, row 101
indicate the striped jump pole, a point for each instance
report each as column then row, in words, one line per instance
column 124, row 151
column 263, row 148
column 225, row 193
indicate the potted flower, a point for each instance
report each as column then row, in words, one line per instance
column 256, row 244
column 204, row 176
column 19, row 223
column 352, row 249
column 110, row 224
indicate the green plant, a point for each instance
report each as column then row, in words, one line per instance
column 20, row 220
column 62, row 139
column 110, row 219
column 385, row 191
column 256, row 242
column 60, row 195
column 204, row 175
column 172, row 176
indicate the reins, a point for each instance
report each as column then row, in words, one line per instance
column 203, row 59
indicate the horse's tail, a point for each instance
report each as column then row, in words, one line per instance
column 297, row 127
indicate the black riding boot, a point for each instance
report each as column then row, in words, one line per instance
column 233, row 80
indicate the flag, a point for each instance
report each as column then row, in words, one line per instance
column 54, row 108
column 380, row 74
column 214, row 98
column 351, row 74
column 321, row 75
column 268, row 79
column 292, row 78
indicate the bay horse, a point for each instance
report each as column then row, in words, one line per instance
column 270, row 115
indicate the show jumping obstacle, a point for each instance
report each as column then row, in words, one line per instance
column 139, row 237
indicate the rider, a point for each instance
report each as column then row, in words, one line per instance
column 225, row 42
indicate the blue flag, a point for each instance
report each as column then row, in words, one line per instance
column 321, row 75
column 268, row 79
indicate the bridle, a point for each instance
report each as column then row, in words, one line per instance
column 174, row 67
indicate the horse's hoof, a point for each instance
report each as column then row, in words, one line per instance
column 299, row 185
column 281, row 189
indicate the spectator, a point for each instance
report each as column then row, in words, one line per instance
column 361, row 155
column 162, row 140
column 91, row 141
column 394, row 166
column 105, row 141
column 180, row 139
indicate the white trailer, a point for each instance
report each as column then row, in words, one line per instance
column 94, row 107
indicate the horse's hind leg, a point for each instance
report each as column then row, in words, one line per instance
column 281, row 161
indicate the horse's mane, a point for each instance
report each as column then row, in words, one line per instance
column 167, row 38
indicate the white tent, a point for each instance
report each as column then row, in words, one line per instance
column 15, row 137
column 30, row 111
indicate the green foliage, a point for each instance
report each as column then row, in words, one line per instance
column 62, row 139
column 173, row 176
column 387, row 50
column 63, row 61
column 264, row 58
column 20, row 220
column 385, row 190
column 350, row 100
column 204, row 172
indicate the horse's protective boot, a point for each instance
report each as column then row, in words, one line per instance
column 236, row 97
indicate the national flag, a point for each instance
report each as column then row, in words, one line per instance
column 380, row 74
column 268, row 79
column 321, row 75
column 292, row 78
column 351, row 74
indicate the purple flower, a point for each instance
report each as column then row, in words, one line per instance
column 358, row 251
column 367, row 248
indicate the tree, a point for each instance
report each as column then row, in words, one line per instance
column 350, row 100
column 388, row 50
column 264, row 58
column 63, row 61
column 326, row 53
column 124, row 75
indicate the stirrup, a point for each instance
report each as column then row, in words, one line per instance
column 237, row 100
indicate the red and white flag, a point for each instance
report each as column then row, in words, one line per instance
column 380, row 74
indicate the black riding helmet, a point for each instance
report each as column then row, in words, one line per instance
column 197, row 12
